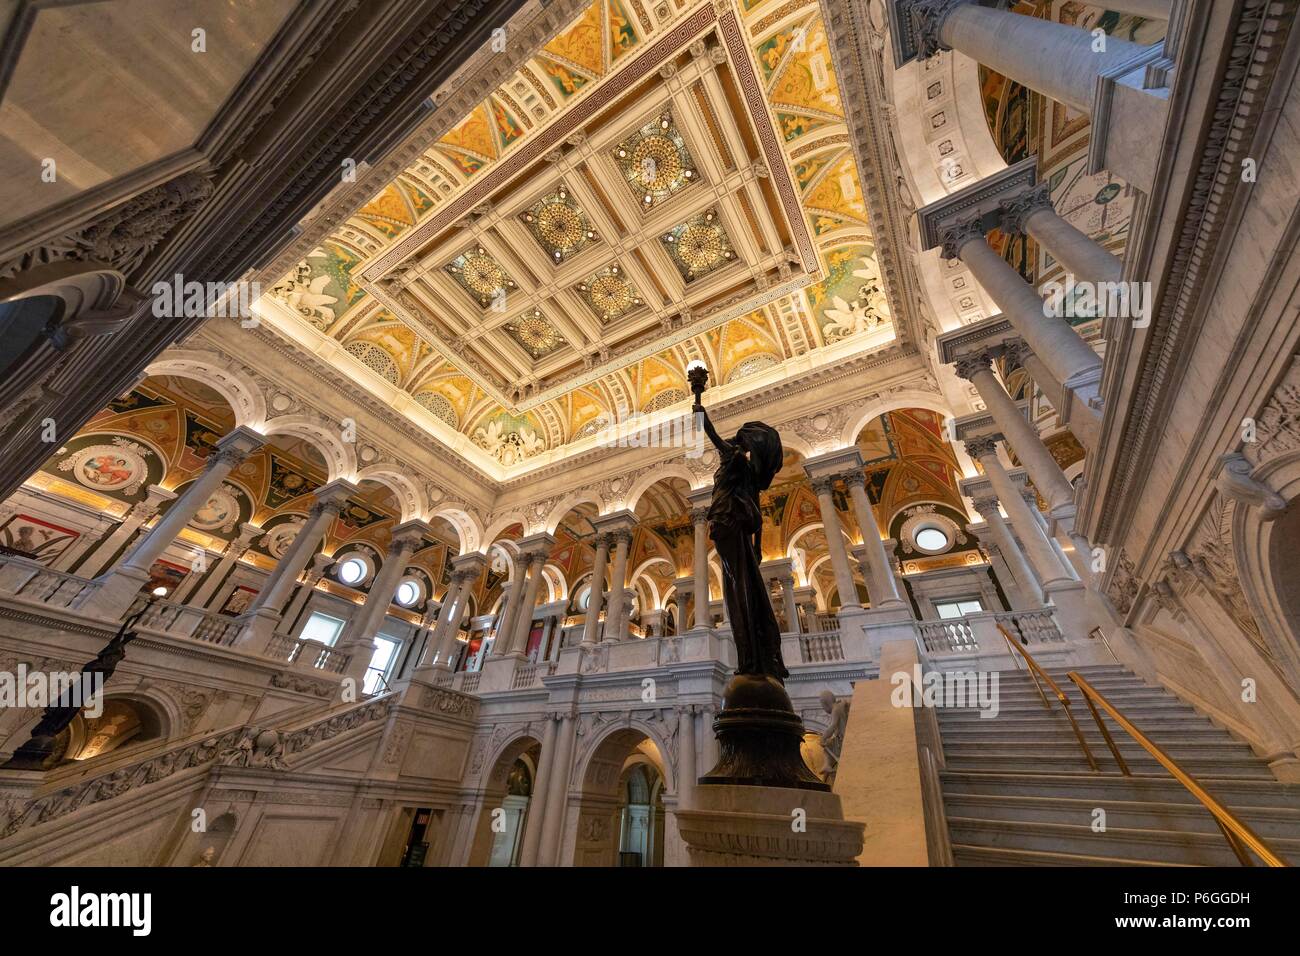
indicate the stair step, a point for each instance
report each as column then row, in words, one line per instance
column 1237, row 793
column 1062, row 747
column 1167, row 846
column 1010, row 761
column 966, row 855
column 1191, row 736
column 1268, row 822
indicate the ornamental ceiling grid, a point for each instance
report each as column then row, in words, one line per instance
column 799, row 269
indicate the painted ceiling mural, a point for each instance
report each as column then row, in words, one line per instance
column 646, row 274
column 164, row 431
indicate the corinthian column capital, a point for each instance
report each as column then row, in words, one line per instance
column 957, row 234
column 968, row 366
column 1017, row 210
column 978, row 447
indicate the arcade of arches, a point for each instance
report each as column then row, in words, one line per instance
column 408, row 514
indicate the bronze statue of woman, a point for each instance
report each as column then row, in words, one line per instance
column 749, row 462
column 758, row 731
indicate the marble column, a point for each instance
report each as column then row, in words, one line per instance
column 1031, row 213
column 1051, row 337
column 524, row 618
column 596, row 590
column 882, row 589
column 1086, row 428
column 234, row 551
column 1061, row 62
column 1037, row 548
column 686, row 770
column 467, row 567
column 514, row 596
column 1026, row 586
column 791, row 609
column 557, row 792
column 319, row 565
column 541, row 791
column 360, row 638
column 1043, row 470
column 117, row 590
column 141, row 512
column 85, row 543
column 617, row 586
column 700, row 520
column 263, row 615
column 709, row 751
column 823, row 488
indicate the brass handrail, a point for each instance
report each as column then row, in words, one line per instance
column 1238, row 834
column 1034, row 672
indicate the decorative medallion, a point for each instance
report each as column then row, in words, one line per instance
column 699, row 245
column 279, row 538
column 480, row 275
column 655, row 162
column 116, row 467
column 609, row 294
column 221, row 513
column 559, row 225
column 535, row 333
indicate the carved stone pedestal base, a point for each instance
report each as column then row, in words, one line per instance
column 768, row 826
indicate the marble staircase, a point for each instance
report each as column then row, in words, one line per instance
column 1017, row 790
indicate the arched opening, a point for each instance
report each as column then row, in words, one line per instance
column 641, row 820
column 122, row 721
column 620, row 809
column 507, row 794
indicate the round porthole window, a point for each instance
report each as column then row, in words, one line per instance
column 408, row 592
column 932, row 539
column 352, row 571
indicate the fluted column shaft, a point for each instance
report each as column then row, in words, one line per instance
column 617, row 585
column 883, row 591
column 1043, row 470
column 1037, row 547
column 1061, row 348
column 700, row 520
column 823, row 488
column 596, row 592
column 1054, row 59
column 541, row 792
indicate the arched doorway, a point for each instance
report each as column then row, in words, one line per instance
column 503, row 816
column 620, row 809
column 641, row 820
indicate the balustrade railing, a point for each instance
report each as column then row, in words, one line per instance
column 823, row 622
column 952, row 635
column 469, row 685
column 816, row 648
column 26, row 579
column 524, row 676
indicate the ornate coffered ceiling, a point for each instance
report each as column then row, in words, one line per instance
column 659, row 183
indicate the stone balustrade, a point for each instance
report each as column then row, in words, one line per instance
column 33, row 583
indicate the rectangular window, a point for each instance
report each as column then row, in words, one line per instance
column 381, row 662
column 953, row 609
column 321, row 627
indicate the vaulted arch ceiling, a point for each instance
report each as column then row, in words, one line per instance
column 660, row 183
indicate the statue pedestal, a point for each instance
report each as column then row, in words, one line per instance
column 767, row 826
